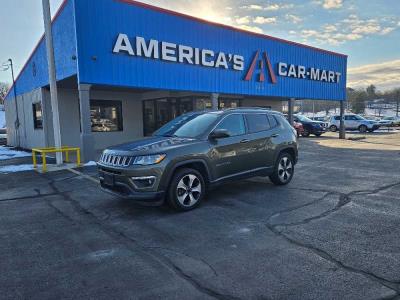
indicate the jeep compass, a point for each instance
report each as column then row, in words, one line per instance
column 199, row 150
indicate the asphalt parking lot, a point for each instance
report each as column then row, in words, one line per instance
column 333, row 233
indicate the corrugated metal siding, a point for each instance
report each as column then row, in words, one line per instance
column 99, row 22
column 35, row 72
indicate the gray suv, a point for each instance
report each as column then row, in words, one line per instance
column 197, row 151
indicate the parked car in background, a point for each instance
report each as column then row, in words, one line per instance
column 299, row 128
column 389, row 121
column 198, row 150
column 296, row 125
column 324, row 120
column 353, row 122
column 309, row 126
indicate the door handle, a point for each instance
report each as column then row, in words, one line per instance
column 244, row 141
column 275, row 135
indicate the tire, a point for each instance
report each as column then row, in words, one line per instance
column 283, row 170
column 305, row 133
column 362, row 128
column 333, row 128
column 187, row 190
column 318, row 134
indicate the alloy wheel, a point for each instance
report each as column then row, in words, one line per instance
column 188, row 190
column 285, row 169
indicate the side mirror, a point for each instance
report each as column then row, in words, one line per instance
column 219, row 134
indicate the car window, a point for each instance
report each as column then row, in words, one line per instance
column 196, row 126
column 349, row 118
column 272, row 121
column 234, row 124
column 257, row 122
column 337, row 118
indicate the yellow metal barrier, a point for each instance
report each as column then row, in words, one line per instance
column 66, row 150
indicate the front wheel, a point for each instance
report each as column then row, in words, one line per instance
column 333, row 128
column 363, row 129
column 283, row 170
column 186, row 190
column 305, row 133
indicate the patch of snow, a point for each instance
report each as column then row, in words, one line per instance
column 2, row 119
column 15, row 168
column 90, row 164
column 7, row 153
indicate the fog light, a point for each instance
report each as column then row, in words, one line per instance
column 144, row 182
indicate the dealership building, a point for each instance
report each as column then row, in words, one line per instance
column 125, row 68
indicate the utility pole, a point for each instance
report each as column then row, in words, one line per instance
column 52, row 78
column 14, row 87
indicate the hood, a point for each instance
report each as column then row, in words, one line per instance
column 152, row 145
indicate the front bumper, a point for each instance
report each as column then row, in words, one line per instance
column 121, row 185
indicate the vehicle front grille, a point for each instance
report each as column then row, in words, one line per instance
column 116, row 160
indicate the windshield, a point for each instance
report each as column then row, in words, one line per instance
column 303, row 118
column 188, row 125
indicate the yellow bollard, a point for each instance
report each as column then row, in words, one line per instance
column 78, row 157
column 67, row 156
column 34, row 159
column 44, row 169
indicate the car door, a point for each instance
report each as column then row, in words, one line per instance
column 262, row 139
column 349, row 122
column 228, row 154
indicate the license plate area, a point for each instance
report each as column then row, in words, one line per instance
column 108, row 179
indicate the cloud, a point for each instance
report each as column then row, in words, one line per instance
column 387, row 30
column 332, row 4
column 263, row 20
column 293, row 18
column 270, row 7
column 351, row 28
column 243, row 20
column 384, row 75
column 251, row 28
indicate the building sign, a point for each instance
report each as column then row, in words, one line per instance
column 177, row 53
column 301, row 72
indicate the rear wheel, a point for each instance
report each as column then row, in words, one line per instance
column 333, row 128
column 362, row 128
column 284, row 170
column 186, row 190
column 318, row 134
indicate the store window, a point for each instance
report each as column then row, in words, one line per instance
column 228, row 103
column 106, row 116
column 37, row 116
column 158, row 112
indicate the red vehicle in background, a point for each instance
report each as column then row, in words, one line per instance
column 298, row 126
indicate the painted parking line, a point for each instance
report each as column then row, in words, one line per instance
column 90, row 178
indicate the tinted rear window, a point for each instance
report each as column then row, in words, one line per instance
column 257, row 122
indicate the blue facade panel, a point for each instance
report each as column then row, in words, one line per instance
column 100, row 22
column 35, row 72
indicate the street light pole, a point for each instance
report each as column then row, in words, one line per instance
column 14, row 87
column 52, row 78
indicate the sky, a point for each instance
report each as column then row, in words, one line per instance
column 368, row 31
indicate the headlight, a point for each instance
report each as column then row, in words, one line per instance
column 149, row 159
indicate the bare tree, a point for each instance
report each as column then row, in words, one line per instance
column 3, row 91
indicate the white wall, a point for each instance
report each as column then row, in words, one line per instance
column 26, row 136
